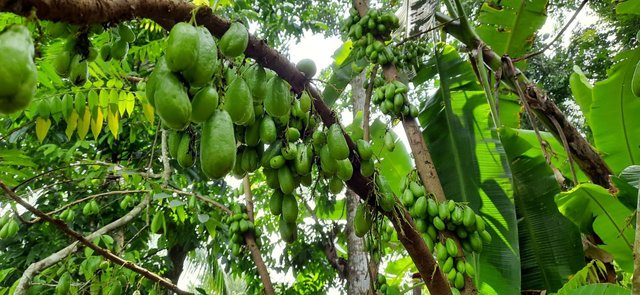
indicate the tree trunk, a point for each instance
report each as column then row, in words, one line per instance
column 358, row 279
column 177, row 254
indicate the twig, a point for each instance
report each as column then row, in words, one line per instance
column 16, row 129
column 565, row 144
column 166, row 173
column 15, row 188
column 103, row 252
column 204, row 199
column 250, row 241
column 416, row 35
column 153, row 147
column 566, row 26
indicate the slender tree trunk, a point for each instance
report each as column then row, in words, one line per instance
column 358, row 279
column 177, row 254
column 635, row 282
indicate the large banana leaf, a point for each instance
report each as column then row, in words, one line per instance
column 582, row 91
column 593, row 209
column 550, row 245
column 601, row 289
column 460, row 135
column 508, row 26
column 344, row 69
column 614, row 114
column 628, row 7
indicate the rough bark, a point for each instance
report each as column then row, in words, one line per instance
column 358, row 278
column 544, row 109
column 176, row 254
column 168, row 12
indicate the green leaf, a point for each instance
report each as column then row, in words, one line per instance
column 509, row 26
column 582, row 91
column 469, row 160
column 614, row 114
column 628, row 7
column 601, row 289
column 593, row 209
column 588, row 274
column 550, row 245
column 5, row 272
column 342, row 75
column 395, row 165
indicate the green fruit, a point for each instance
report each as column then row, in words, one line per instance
column 275, row 203
column 362, row 221
column 335, row 185
column 126, row 33
column 328, row 163
column 160, row 71
column 417, row 189
column 441, row 252
column 480, row 225
column 204, row 103
column 438, row 223
column 345, row 169
column 386, row 202
column 173, row 143
column 271, row 176
column 381, row 279
column 234, row 41
column 367, row 168
column 485, row 236
column 64, row 283
column 456, row 216
column 364, row 149
column 238, row 101
column 635, row 81
column 244, row 225
column 303, row 159
column 420, row 207
column 452, row 248
column 432, row 207
column 307, row 67
column 337, row 143
column 318, row 138
column 268, row 129
column 119, row 49
column 157, row 222
column 289, row 151
column 389, row 141
column 475, row 241
column 256, row 77
column 471, row 271
column 18, row 74
column 278, row 98
column 79, row 72
column 443, row 211
column 461, row 266
column 448, row 265
column 288, row 231
column 182, row 47
column 62, row 63
column 217, row 145
column 186, row 157
column 287, row 184
column 468, row 217
column 172, row 102
column 249, row 160
column 292, row 134
column 459, row 281
column 289, row 208
column 455, row 291
column 407, row 198
column 461, row 233
column 305, row 102
column 201, row 72
column 277, row 162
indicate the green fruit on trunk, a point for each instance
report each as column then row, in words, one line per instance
column 182, row 47
column 238, row 101
column 287, row 183
column 389, row 141
column 307, row 67
column 201, row 72
column 367, row 168
column 288, row 231
column 62, row 63
column 172, row 102
column 468, row 217
column 303, row 159
column 345, row 169
column 277, row 162
column 217, row 145
column 289, row 208
column 364, row 149
column 158, row 75
column 335, row 185
column 234, row 41
column 328, row 163
column 386, row 202
column 204, row 103
column 420, row 207
column 362, row 221
column 337, row 143
column 252, row 134
column 256, row 77
column 305, row 102
column 452, row 248
column 275, row 203
column 186, row 157
column 292, row 134
column 268, row 131
column 173, row 143
column 278, row 98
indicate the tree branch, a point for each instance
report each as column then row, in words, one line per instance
column 103, row 252
column 545, row 109
column 250, row 241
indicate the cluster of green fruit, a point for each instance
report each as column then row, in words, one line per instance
column 182, row 147
column 369, row 34
column 8, row 226
column 384, row 288
column 68, row 215
column 118, row 48
column 385, row 199
column 90, row 208
column 410, row 54
column 437, row 220
column 239, row 224
column 285, row 206
column 73, row 61
column 18, row 73
column 391, row 98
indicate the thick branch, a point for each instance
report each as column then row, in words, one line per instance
column 103, row 252
column 250, row 241
column 168, row 12
column 54, row 258
column 545, row 109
